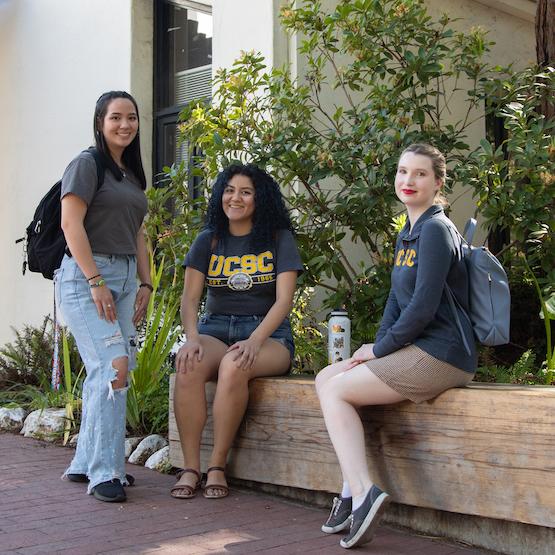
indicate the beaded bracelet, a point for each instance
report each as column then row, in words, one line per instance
column 99, row 283
column 92, row 277
column 148, row 286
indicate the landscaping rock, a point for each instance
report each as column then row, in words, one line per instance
column 73, row 440
column 160, row 461
column 130, row 444
column 11, row 420
column 147, row 447
column 45, row 424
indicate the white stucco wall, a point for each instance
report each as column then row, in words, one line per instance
column 247, row 25
column 56, row 58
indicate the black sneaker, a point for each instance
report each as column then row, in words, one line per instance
column 339, row 515
column 111, row 492
column 366, row 518
column 81, row 478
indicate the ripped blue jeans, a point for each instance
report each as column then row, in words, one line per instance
column 100, row 450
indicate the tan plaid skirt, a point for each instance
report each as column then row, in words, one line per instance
column 416, row 375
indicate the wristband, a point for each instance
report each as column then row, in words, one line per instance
column 92, row 277
column 99, row 283
column 148, row 286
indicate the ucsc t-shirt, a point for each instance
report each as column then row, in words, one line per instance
column 240, row 281
column 114, row 213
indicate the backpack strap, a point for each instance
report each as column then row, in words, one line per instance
column 100, row 171
column 469, row 229
column 466, row 237
column 100, row 165
column 453, row 305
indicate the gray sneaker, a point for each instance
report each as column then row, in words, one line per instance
column 366, row 518
column 340, row 515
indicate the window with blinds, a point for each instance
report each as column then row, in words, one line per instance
column 183, row 72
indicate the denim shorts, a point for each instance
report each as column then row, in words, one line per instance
column 230, row 329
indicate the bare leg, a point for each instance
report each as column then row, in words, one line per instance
column 190, row 403
column 339, row 393
column 322, row 378
column 232, row 396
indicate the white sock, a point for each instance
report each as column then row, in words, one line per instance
column 358, row 500
column 346, row 491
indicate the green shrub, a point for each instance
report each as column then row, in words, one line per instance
column 523, row 371
column 26, row 367
column 393, row 72
column 147, row 406
column 515, row 186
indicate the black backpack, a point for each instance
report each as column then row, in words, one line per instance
column 45, row 242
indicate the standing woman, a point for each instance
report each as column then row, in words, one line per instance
column 96, row 287
column 418, row 351
column 249, row 261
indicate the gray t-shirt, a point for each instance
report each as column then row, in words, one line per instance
column 240, row 281
column 115, row 213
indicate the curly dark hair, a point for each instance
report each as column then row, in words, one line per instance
column 270, row 213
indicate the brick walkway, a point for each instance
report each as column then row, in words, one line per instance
column 41, row 514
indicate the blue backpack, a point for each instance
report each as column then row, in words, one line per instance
column 488, row 294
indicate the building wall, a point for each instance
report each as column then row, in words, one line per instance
column 56, row 58
column 247, row 25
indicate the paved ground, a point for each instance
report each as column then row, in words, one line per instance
column 41, row 514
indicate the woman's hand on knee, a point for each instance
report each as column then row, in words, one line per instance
column 363, row 353
column 246, row 352
column 189, row 353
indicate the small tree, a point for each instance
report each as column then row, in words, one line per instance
column 394, row 73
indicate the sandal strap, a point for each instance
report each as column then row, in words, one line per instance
column 192, row 471
column 215, row 468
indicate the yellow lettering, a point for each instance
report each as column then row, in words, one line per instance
column 248, row 263
column 228, row 268
column 399, row 256
column 265, row 263
column 409, row 259
column 215, row 266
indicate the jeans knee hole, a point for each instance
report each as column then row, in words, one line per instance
column 114, row 384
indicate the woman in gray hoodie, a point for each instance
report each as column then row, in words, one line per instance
column 418, row 351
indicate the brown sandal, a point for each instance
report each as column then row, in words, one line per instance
column 185, row 491
column 224, row 489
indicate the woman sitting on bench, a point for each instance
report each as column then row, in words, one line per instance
column 248, row 259
column 418, row 351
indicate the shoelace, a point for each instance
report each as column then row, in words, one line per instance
column 335, row 506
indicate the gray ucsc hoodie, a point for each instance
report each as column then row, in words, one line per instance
column 417, row 311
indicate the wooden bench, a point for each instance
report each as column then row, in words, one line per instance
column 486, row 450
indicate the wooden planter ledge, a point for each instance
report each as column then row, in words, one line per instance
column 486, row 450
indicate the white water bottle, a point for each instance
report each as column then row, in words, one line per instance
column 339, row 336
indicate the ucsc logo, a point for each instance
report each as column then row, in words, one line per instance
column 221, row 265
column 239, row 273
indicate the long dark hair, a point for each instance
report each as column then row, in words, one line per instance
column 270, row 213
column 131, row 156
